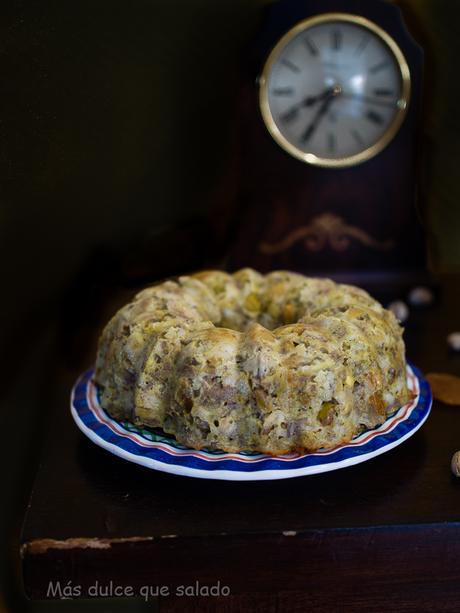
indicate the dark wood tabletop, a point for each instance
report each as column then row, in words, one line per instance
column 382, row 535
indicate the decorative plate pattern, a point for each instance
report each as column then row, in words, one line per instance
column 162, row 452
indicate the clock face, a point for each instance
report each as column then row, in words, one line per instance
column 334, row 90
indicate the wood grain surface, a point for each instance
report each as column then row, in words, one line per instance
column 383, row 534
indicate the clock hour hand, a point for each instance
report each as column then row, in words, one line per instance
column 293, row 112
column 311, row 100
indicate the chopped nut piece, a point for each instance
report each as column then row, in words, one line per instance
column 252, row 303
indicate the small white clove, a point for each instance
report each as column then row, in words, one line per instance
column 455, row 464
column 420, row 296
column 399, row 309
column 453, row 340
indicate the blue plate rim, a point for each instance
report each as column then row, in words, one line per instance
column 111, row 435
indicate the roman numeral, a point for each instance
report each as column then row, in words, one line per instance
column 331, row 141
column 311, row 46
column 290, row 115
column 374, row 117
column 283, row 91
column 336, row 39
column 378, row 67
column 357, row 136
column 383, row 92
column 290, row 65
column 362, row 45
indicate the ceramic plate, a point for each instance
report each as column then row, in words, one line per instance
column 162, row 452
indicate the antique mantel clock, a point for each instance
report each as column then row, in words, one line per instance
column 361, row 82
column 329, row 116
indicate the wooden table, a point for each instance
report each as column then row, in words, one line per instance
column 380, row 536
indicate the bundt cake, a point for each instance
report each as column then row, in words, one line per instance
column 275, row 363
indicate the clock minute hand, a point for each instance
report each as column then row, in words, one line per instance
column 311, row 100
column 293, row 112
column 327, row 99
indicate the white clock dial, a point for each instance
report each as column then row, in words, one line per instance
column 334, row 90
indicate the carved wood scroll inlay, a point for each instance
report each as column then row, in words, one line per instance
column 326, row 230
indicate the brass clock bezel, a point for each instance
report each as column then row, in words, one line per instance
column 402, row 104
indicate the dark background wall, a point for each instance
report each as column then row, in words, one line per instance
column 116, row 123
column 437, row 24
column 116, row 120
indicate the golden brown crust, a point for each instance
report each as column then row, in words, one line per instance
column 279, row 363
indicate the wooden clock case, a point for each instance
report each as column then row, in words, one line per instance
column 322, row 220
